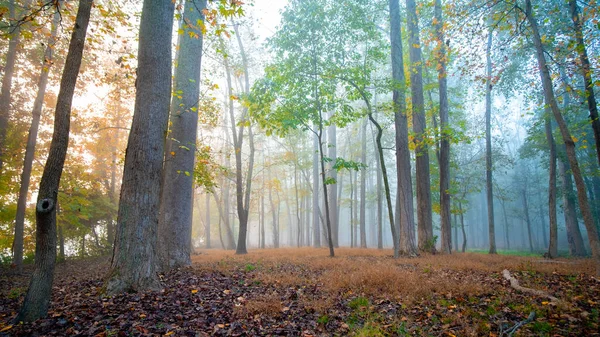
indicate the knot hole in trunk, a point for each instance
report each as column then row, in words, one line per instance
column 45, row 205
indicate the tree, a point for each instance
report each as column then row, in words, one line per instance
column 405, row 192
column 550, row 100
column 446, row 225
column 31, row 143
column 175, row 223
column 135, row 263
column 424, row 216
column 553, row 246
column 488, row 145
column 38, row 294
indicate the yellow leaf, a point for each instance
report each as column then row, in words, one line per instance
column 142, row 315
column 172, row 153
column 6, row 328
column 545, row 303
column 575, row 140
column 194, row 291
column 169, row 333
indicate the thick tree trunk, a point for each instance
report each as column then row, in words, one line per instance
column 175, row 222
column 30, row 149
column 446, row 226
column 9, row 69
column 550, row 99
column 586, row 71
column 553, row 247
column 38, row 295
column 403, row 171
column 424, row 217
column 135, row 262
column 363, row 186
column 488, row 146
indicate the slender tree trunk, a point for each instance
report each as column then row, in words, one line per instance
column 462, row 227
column 553, row 247
column 488, row 146
column 175, row 222
column 379, row 202
column 403, row 171
column 506, row 236
column 37, row 299
column 527, row 220
column 9, row 69
column 446, row 226
column 352, row 219
column 315, row 194
column 576, row 246
column 135, row 262
column 550, row 99
column 425, row 226
column 333, row 201
column 363, row 186
column 455, row 233
column 207, row 222
column 30, row 149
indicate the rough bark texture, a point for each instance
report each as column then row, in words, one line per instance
column 403, row 171
column 9, row 69
column 550, row 99
column 424, row 217
column 38, row 295
column 444, row 159
column 30, row 149
column 135, row 262
column 488, row 147
column 586, row 71
column 363, row 186
column 553, row 246
column 176, row 206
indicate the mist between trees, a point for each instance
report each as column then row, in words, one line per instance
column 422, row 126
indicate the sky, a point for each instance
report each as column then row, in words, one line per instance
column 267, row 12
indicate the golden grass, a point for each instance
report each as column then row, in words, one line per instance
column 374, row 273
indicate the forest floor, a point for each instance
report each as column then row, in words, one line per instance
column 303, row 292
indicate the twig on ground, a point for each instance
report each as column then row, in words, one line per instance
column 515, row 327
column 515, row 284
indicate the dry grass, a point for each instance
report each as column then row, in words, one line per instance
column 374, row 273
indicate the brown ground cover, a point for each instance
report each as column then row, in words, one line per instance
column 302, row 292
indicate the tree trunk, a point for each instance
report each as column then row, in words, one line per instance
column 333, row 201
column 379, row 202
column 9, row 69
column 135, row 262
column 506, row 236
column 315, row 194
column 30, row 149
column 424, row 219
column 38, row 295
column 363, row 186
column 566, row 135
column 488, row 146
column 586, row 71
column 527, row 220
column 462, row 227
column 175, row 222
column 403, row 171
column 576, row 246
column 207, row 222
column 446, row 226
column 553, row 247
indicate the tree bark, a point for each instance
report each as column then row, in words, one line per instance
column 9, row 69
column 38, row 295
column 488, row 146
column 363, row 186
column 333, row 199
column 315, row 194
column 424, row 217
column 527, row 220
column 550, row 99
column 176, row 206
column 586, row 71
column 135, row 262
column 403, row 171
column 462, row 227
column 576, row 246
column 553, row 246
column 446, row 226
column 30, row 149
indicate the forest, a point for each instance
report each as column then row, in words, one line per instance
column 299, row 167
